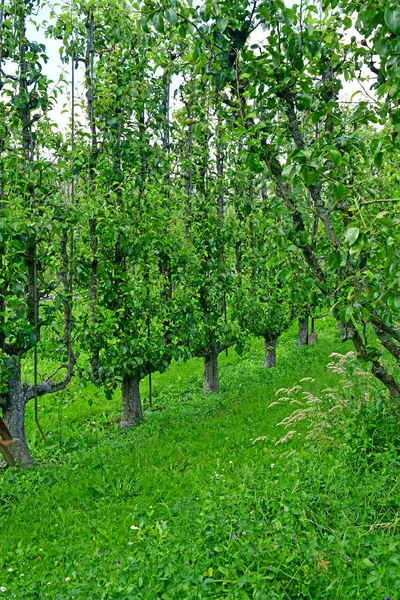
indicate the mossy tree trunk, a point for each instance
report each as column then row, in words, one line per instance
column 14, row 419
column 132, row 413
column 270, row 350
column 302, row 339
column 211, row 380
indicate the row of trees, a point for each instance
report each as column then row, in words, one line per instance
column 212, row 185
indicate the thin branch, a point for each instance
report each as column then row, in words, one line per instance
column 364, row 203
column 374, row 100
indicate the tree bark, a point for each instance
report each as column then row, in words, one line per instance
column 378, row 370
column 14, row 419
column 302, row 339
column 342, row 331
column 211, row 382
column 388, row 380
column 270, row 350
column 132, row 413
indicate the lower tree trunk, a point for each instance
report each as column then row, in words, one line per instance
column 342, row 331
column 378, row 370
column 387, row 379
column 270, row 350
column 16, row 451
column 302, row 339
column 131, row 405
column 211, row 382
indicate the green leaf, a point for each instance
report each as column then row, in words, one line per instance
column 220, row 80
column 310, row 176
column 171, row 16
column 335, row 156
column 313, row 47
column 393, row 302
column 289, row 16
column 158, row 23
column 339, row 191
column 346, row 313
column 222, row 23
column 253, row 162
column 287, row 171
column 392, row 19
column 286, row 275
column 378, row 160
column 351, row 235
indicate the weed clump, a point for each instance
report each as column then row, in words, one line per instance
column 356, row 412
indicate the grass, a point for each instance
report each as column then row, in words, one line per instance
column 186, row 506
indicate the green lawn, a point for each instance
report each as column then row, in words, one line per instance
column 187, row 507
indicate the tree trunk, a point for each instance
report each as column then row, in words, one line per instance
column 211, row 382
column 342, row 331
column 302, row 339
column 132, row 413
column 270, row 350
column 16, row 451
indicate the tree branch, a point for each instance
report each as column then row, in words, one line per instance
column 49, row 386
column 315, row 191
column 377, row 321
column 275, row 170
column 389, row 344
column 378, row 370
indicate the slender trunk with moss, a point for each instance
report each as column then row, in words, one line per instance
column 302, row 339
column 211, row 380
column 270, row 350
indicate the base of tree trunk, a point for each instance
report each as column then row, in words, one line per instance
column 312, row 338
column 270, row 351
column 302, row 339
column 132, row 413
column 211, row 381
column 15, row 454
column 342, row 331
column 15, row 449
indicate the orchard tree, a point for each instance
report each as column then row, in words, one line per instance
column 133, row 300
column 36, row 280
column 203, row 154
column 261, row 300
